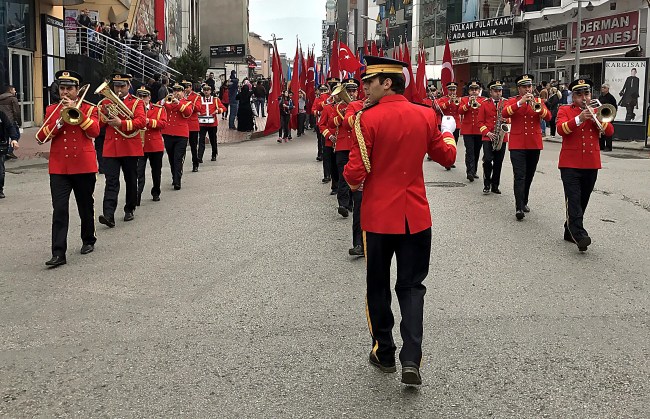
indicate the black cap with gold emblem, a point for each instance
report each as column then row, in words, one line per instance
column 381, row 65
column 452, row 85
column 525, row 80
column 474, row 84
column 351, row 84
column 143, row 92
column 496, row 85
column 67, row 78
column 581, row 85
column 120, row 79
column 323, row 87
column 187, row 82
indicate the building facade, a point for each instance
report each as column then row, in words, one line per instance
column 224, row 35
column 260, row 51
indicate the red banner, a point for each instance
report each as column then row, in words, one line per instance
column 607, row 32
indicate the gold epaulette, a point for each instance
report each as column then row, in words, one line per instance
column 156, row 105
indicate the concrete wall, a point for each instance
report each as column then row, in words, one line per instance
column 223, row 22
column 261, row 50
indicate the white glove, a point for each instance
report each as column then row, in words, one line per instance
column 448, row 124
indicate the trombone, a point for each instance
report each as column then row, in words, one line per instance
column 115, row 109
column 604, row 113
column 70, row 116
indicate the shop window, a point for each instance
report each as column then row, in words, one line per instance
column 19, row 23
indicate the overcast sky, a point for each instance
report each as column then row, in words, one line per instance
column 286, row 19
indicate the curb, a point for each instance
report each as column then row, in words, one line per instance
column 621, row 145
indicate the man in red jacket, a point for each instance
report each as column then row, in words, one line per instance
column 193, row 123
column 73, row 166
column 469, row 108
column 322, row 95
column 176, row 132
column 449, row 106
column 387, row 159
column 579, row 159
column 488, row 117
column 342, row 148
column 153, row 146
column 122, row 148
column 326, row 126
column 525, row 111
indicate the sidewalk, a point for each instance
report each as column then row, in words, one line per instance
column 30, row 149
column 616, row 144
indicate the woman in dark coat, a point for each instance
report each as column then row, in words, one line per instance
column 553, row 105
column 245, row 111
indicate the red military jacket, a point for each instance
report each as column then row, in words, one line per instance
column 580, row 143
column 342, row 134
column 210, row 106
column 450, row 109
column 319, row 103
column 156, row 122
column 115, row 145
column 351, row 116
column 470, row 125
column 326, row 122
column 71, row 149
column 525, row 127
column 487, row 118
column 393, row 191
column 177, row 117
column 193, row 121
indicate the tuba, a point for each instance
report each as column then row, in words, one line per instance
column 115, row 109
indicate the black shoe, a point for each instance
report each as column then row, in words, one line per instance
column 429, row 158
column 356, row 250
column 470, row 178
column 195, row 168
column 448, row 168
column 177, row 187
column 128, row 216
column 386, row 367
column 87, row 248
column 319, row 158
column 526, row 208
column 486, row 190
column 333, row 192
column 453, row 166
column 326, row 179
column 137, row 202
column 107, row 221
column 583, row 243
column 411, row 374
column 56, row 261
column 567, row 237
column 495, row 190
column 2, row 195
column 214, row 158
column 290, row 138
column 156, row 198
column 343, row 211
column 200, row 161
column 520, row 215
column 475, row 176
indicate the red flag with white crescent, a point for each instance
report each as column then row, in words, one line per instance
column 447, row 72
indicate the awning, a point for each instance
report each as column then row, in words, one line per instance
column 591, row 57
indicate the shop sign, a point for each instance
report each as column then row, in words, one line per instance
column 544, row 41
column 561, row 45
column 498, row 26
column 460, row 56
column 219, row 51
column 607, row 32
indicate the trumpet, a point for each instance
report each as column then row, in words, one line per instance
column 473, row 103
column 70, row 116
column 537, row 107
column 454, row 99
column 169, row 98
column 115, row 109
column 604, row 113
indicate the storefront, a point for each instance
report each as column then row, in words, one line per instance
column 545, row 46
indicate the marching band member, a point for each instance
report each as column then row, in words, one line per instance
column 326, row 126
column 322, row 96
column 122, row 148
column 153, row 146
column 72, row 165
column 579, row 159
column 175, row 134
column 449, row 107
column 357, row 196
column 210, row 106
column 469, row 108
column 342, row 148
column 525, row 111
column 489, row 116
column 196, row 147
column 395, row 215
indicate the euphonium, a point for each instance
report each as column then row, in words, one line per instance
column 342, row 94
column 115, row 109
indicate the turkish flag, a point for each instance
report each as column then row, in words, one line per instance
column 273, row 116
column 373, row 50
column 311, row 81
column 295, row 88
column 411, row 91
column 334, row 60
column 421, row 78
column 447, row 72
column 347, row 60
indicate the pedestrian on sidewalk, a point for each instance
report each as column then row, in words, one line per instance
column 286, row 105
column 395, row 215
column 245, row 120
column 9, row 105
column 606, row 98
column 553, row 104
column 223, row 96
column 71, row 169
column 7, row 134
column 302, row 112
column 260, row 98
column 233, row 91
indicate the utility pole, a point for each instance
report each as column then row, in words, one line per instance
column 578, row 35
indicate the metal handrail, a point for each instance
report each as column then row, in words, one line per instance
column 96, row 45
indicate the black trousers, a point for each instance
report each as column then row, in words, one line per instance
column 492, row 164
column 578, row 185
column 155, row 160
column 176, row 148
column 99, row 150
column 524, row 164
column 412, row 252
column 473, row 145
column 343, row 191
column 320, row 141
column 357, row 234
column 3, row 157
column 552, row 125
column 83, row 186
column 112, row 166
column 606, row 142
column 285, row 132
column 328, row 155
column 302, row 119
column 212, row 134
column 196, row 147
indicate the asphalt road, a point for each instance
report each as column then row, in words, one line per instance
column 235, row 297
